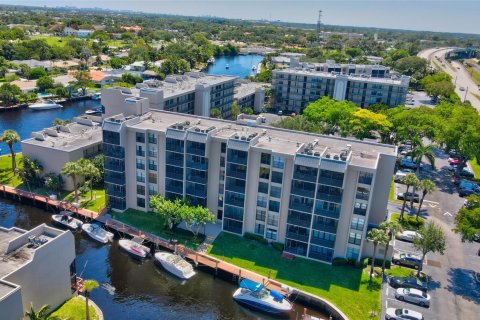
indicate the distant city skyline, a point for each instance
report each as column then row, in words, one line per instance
column 424, row 15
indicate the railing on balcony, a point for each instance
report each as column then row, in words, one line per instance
column 320, row 256
column 299, row 222
column 322, row 242
column 329, row 198
column 330, row 182
column 301, row 206
column 140, row 153
column 297, row 236
column 324, row 227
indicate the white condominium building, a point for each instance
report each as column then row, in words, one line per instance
column 316, row 194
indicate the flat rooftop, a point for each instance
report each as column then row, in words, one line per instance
column 281, row 141
column 243, row 89
column 329, row 75
column 75, row 135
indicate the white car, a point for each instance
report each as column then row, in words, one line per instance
column 413, row 295
column 407, row 235
column 402, row 314
column 462, row 89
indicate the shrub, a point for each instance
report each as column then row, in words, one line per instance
column 379, row 262
column 255, row 237
column 409, row 222
column 277, row 246
column 362, row 263
column 84, row 189
column 339, row 262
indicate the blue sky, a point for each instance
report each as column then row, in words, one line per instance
column 431, row 15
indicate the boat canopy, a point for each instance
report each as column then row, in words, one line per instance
column 251, row 285
column 276, row 295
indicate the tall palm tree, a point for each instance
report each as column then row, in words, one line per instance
column 377, row 236
column 74, row 170
column 90, row 172
column 10, row 137
column 419, row 152
column 89, row 286
column 409, row 180
column 427, row 186
column 391, row 228
column 41, row 314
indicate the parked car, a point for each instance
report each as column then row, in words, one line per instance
column 413, row 296
column 407, row 235
column 466, row 188
column 408, row 163
column 280, row 113
column 407, row 259
column 408, row 282
column 409, row 196
column 453, row 161
column 402, row 314
column 461, row 88
column 467, row 174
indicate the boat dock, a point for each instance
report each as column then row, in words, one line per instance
column 218, row 267
column 14, row 107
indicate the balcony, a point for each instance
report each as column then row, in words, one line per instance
column 113, row 151
column 152, row 167
column 169, row 187
column 141, row 179
column 174, row 159
column 299, row 222
column 328, row 213
column 365, row 180
column 141, row 166
column 303, row 192
column 360, row 211
column 197, row 165
column 196, row 151
column 240, row 174
column 232, row 228
column 362, row 196
column 322, row 242
column 330, row 182
column 329, row 198
column 320, row 256
column 140, row 153
column 305, row 176
column 301, row 207
column 324, row 227
column 297, row 236
column 114, row 178
column 196, row 191
column 301, row 251
column 114, row 166
column 174, row 174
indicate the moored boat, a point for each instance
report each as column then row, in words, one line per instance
column 134, row 247
column 66, row 220
column 93, row 111
column 175, row 264
column 96, row 232
column 256, row 296
column 227, row 66
column 96, row 96
column 45, row 105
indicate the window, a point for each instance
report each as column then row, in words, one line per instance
column 140, row 176
column 140, row 137
column 259, row 229
column 352, row 253
column 355, row 238
column 152, row 138
column 277, row 177
column 264, row 173
column 271, row 234
column 261, row 201
column 272, row 219
column 265, row 159
column 274, row 206
column 278, row 162
column 223, row 147
column 260, row 215
column 140, row 189
column 362, row 193
column 358, row 224
column 365, row 177
column 152, row 165
column 141, row 164
column 263, row 187
column 140, row 151
column 360, row 208
column 323, row 235
column 152, row 151
column 141, row 202
column 152, row 189
column 275, row 192
column 152, row 177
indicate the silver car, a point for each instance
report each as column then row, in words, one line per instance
column 414, row 296
column 402, row 314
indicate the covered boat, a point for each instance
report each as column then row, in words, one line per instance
column 96, row 232
column 134, row 247
column 65, row 219
column 175, row 264
column 256, row 296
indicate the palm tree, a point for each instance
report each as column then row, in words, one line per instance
column 89, row 286
column 427, row 186
column 391, row 228
column 30, row 171
column 377, row 236
column 74, row 170
column 90, row 171
column 418, row 153
column 41, row 314
column 409, row 180
column 10, row 137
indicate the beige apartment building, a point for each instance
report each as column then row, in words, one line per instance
column 317, row 194
column 37, row 268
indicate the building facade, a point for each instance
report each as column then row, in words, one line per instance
column 294, row 89
column 37, row 268
column 313, row 193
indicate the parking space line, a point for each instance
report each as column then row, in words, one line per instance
column 428, row 201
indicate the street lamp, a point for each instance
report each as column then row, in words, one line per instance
column 465, row 98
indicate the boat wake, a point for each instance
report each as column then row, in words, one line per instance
column 109, row 288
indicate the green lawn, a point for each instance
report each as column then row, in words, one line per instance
column 391, row 194
column 409, row 222
column 74, row 309
column 475, row 167
column 6, row 175
column 474, row 74
column 97, row 204
column 345, row 286
column 400, row 272
column 52, row 41
column 152, row 223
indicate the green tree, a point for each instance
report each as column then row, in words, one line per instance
column 53, row 182
column 9, row 93
column 171, row 211
column 248, row 110
column 426, row 186
column 30, row 171
column 59, row 122
column 410, row 180
column 84, row 80
column 365, row 122
column 74, row 170
column 391, row 228
column 25, row 70
column 377, row 236
column 44, row 83
column 196, row 217
column 354, row 52
column 90, row 172
column 41, row 314
column 37, row 73
column 430, row 238
column 99, row 163
column 89, row 286
column 235, row 108
column 10, row 137
column 130, row 78
column 215, row 113
column 117, row 63
column 467, row 221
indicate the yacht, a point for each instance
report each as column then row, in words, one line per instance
column 227, row 66
column 66, row 220
column 134, row 247
column 45, row 105
column 256, row 296
column 175, row 264
column 96, row 232
column 93, row 111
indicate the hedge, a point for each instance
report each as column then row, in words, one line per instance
column 255, row 237
column 277, row 246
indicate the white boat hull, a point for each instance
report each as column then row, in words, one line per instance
column 181, row 269
column 44, row 106
column 268, row 305
column 71, row 223
column 136, row 250
column 97, row 233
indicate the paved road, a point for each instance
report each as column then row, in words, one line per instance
column 460, row 75
column 455, row 294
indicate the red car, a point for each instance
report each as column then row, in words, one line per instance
column 455, row 162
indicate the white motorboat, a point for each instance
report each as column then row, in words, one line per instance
column 227, row 66
column 45, row 105
column 66, row 220
column 96, row 96
column 256, row 296
column 175, row 264
column 96, row 232
column 93, row 111
column 134, row 247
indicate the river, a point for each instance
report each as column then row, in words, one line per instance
column 240, row 65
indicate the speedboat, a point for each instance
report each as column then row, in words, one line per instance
column 96, row 232
column 134, row 247
column 93, row 111
column 256, row 296
column 66, row 220
column 45, row 105
column 175, row 264
column 96, row 96
column 227, row 66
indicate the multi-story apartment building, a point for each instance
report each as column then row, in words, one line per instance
column 369, row 70
column 316, row 194
column 294, row 89
column 250, row 94
column 192, row 93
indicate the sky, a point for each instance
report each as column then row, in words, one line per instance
column 429, row 15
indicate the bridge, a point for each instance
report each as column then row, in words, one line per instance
column 462, row 53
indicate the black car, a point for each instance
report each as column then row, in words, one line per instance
column 408, row 282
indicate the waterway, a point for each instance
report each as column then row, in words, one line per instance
column 133, row 290
column 240, row 65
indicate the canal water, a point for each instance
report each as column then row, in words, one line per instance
column 133, row 290
column 240, row 65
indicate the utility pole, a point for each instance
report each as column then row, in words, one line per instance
column 319, row 23
column 465, row 98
